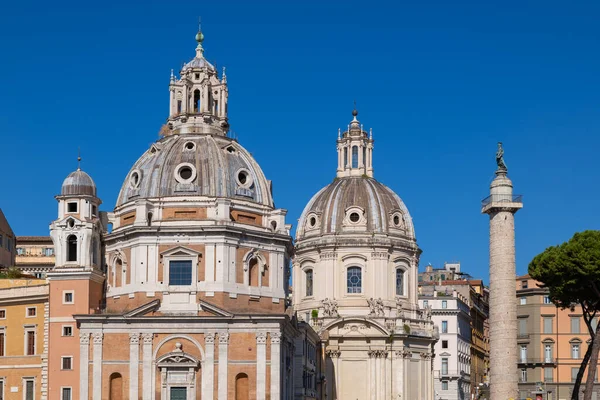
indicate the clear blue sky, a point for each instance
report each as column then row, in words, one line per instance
column 439, row 82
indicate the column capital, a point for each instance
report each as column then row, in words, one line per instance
column 84, row 338
column 223, row 337
column 147, row 337
column 209, row 338
column 98, row 337
column 134, row 338
column 261, row 337
column 333, row 353
column 275, row 337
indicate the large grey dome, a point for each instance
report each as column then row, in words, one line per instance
column 78, row 183
column 353, row 205
column 196, row 165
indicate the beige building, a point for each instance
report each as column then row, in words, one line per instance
column 551, row 344
column 35, row 255
column 7, row 243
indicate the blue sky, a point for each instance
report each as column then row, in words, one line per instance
column 439, row 82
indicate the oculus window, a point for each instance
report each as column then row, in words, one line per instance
column 180, row 272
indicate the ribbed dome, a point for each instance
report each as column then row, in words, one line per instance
column 196, row 165
column 199, row 62
column 78, row 183
column 355, row 204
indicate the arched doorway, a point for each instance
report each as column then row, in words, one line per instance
column 116, row 386
column 241, row 387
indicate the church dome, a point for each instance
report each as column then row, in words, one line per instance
column 353, row 205
column 196, row 165
column 78, row 183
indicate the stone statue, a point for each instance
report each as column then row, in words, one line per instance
column 379, row 307
column 329, row 308
column 372, row 306
column 500, row 158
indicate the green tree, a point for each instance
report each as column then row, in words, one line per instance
column 571, row 272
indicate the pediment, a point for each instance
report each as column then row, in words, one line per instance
column 445, row 354
column 143, row 309
column 180, row 251
column 356, row 327
column 214, row 310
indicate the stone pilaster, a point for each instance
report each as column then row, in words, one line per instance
column 275, row 365
column 208, row 369
column 261, row 365
column 84, row 365
column 134, row 364
column 97, row 366
column 147, row 365
column 223, row 365
column 44, row 382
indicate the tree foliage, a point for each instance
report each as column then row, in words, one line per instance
column 571, row 272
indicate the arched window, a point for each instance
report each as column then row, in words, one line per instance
column 72, row 248
column 253, row 272
column 354, row 156
column 309, row 282
column 196, row 100
column 242, row 387
column 399, row 282
column 364, row 156
column 116, row 387
column 354, row 280
column 345, row 157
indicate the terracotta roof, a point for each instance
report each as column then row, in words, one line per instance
column 23, row 239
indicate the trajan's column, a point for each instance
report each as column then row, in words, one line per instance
column 501, row 206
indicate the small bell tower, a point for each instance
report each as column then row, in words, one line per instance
column 76, row 281
column 355, row 150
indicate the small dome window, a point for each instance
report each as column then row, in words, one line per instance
column 189, row 146
column 396, row 220
column 354, row 217
column 185, row 173
column 231, row 149
column 312, row 221
column 135, row 178
column 244, row 179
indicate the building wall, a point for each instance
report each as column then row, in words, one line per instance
column 35, row 255
column 16, row 297
column 7, row 243
column 552, row 369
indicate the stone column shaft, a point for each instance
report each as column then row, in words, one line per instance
column 208, row 369
column 275, row 365
column 147, row 365
column 97, row 367
column 84, row 365
column 223, row 365
column 261, row 365
column 134, row 364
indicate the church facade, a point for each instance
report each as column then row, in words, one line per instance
column 182, row 291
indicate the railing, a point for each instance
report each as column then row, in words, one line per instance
column 537, row 361
column 502, row 198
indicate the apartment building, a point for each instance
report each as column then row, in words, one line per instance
column 35, row 255
column 552, row 343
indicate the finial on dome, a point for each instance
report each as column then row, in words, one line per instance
column 78, row 159
column 172, row 75
column 354, row 111
column 224, row 77
column 370, row 133
column 199, row 39
column 339, row 133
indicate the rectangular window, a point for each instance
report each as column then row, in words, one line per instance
column 444, row 366
column 444, row 304
column 67, row 363
column 548, row 374
column 522, row 301
column 180, row 272
column 425, row 303
column 31, row 311
column 20, row 251
column 94, row 210
column 354, row 280
column 309, row 282
column 523, row 354
column 1, row 242
column 575, row 351
column 72, row 207
column 523, row 375
column 444, row 344
column 523, row 284
column 444, row 326
column 522, row 326
column 2, row 314
column 548, row 353
column 547, row 300
column 574, row 372
column 66, row 394
column 68, row 297
column 444, row 385
column 575, row 324
column 30, row 343
column 399, row 282
column 67, row 330
column 2, row 342
column 28, row 389
column 548, row 325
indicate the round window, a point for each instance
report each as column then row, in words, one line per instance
column 134, row 180
column 396, row 220
column 190, row 146
column 354, row 279
column 244, row 179
column 313, row 221
column 354, row 217
column 185, row 173
column 70, row 223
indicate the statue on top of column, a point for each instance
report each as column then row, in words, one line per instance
column 500, row 158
